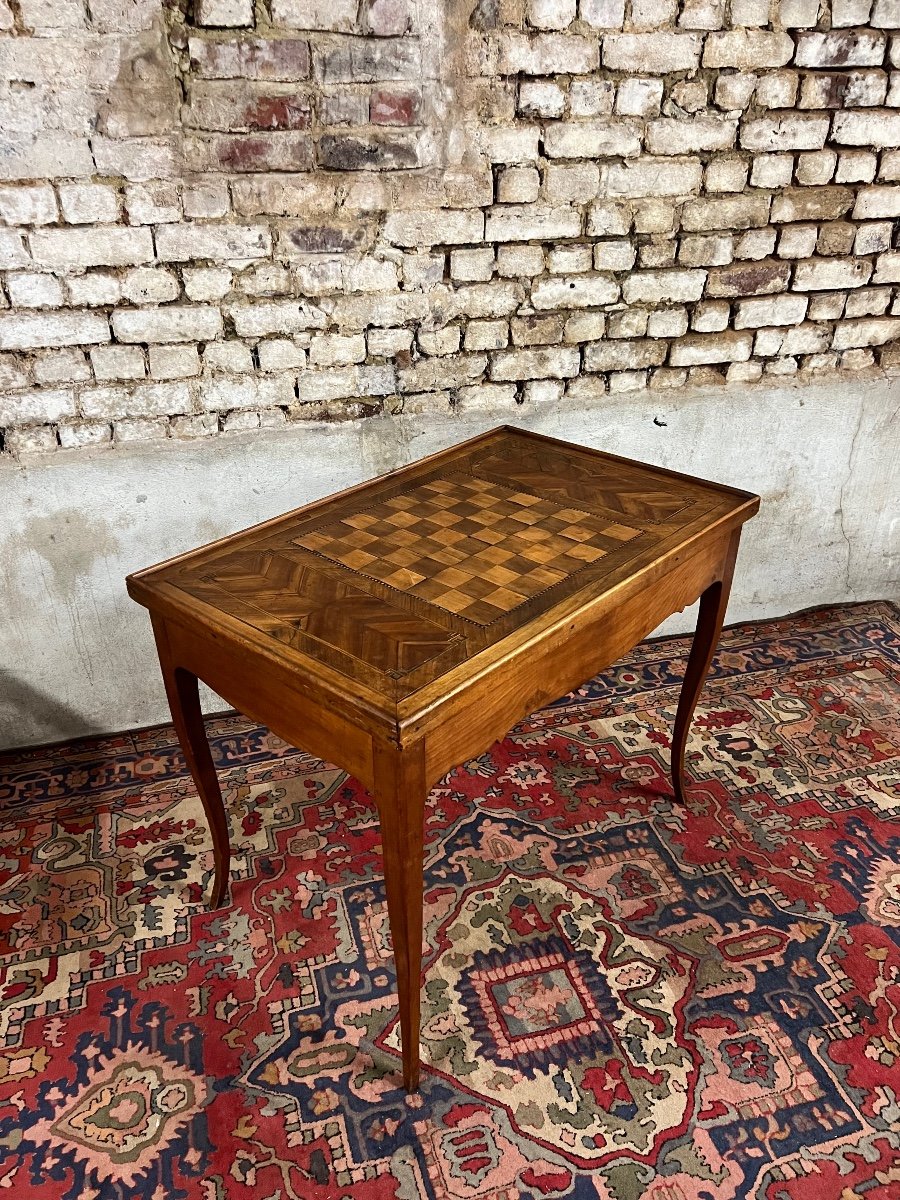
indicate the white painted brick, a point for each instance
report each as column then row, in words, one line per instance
column 711, row 316
column 861, row 48
column 591, row 97
column 66, row 249
column 548, row 54
column 486, row 335
column 175, row 323
column 652, row 53
column 36, row 407
column 174, row 362
column 206, row 283
column 29, row 331
column 518, row 185
column 845, row 13
column 496, row 299
column 97, row 289
column 539, row 98
column 335, row 350
column 614, row 255
column 588, row 326
column 873, row 331
column 370, row 275
column 150, row 285
column 776, row 89
column 798, row 241
column 689, row 135
column 652, row 14
column 531, row 222
column 472, row 265
column 624, row 355
column 340, row 383
column 118, row 362
column 726, row 174
column 28, row 204
column 868, row 302
column 385, row 343
column 602, row 14
column 138, row 400
column 816, row 167
column 577, row 291
column 435, row 374
column 726, row 213
column 224, row 12
column 230, row 357
column 61, row 366
column 152, row 203
column 650, row 176
column 551, row 14
column 218, row 243
column 829, row 274
column 799, row 14
column 280, row 354
column 138, row 430
column 553, row 362
column 733, row 92
column 222, row 393
column 770, row 310
column 791, row 131
column 439, row 342
column 571, row 184
column 708, row 348
column 336, row 16
column 88, row 203
column 206, row 199
column 40, row 439
column 747, row 49
column 639, row 97
column 12, row 250
column 875, row 128
column 240, row 421
column 433, row 227
column 592, row 139
column 204, row 425
column 31, row 290
column 702, row 14
column 276, row 316
column 657, row 287
column 511, row 145
column 667, row 323
column 84, row 433
column 486, row 397
column 543, row 391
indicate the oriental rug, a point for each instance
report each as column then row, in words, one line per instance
column 622, row 998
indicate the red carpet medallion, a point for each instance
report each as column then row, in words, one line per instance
column 622, row 1000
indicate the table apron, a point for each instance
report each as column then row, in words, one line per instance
column 287, row 705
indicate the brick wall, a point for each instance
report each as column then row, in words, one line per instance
column 223, row 215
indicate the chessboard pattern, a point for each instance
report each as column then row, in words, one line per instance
column 471, row 546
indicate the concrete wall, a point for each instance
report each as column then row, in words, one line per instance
column 76, row 655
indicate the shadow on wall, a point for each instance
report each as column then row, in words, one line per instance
column 26, row 707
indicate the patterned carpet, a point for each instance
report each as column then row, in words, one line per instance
column 622, row 999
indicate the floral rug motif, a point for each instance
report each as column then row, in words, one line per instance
column 622, row 999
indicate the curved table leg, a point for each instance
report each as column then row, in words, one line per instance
column 713, row 603
column 187, row 717
column 400, row 793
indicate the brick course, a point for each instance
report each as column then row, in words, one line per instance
column 248, row 214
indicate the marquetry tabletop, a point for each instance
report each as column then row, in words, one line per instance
column 394, row 583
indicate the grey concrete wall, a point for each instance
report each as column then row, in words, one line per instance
column 76, row 655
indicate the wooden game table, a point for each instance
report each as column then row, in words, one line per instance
column 398, row 628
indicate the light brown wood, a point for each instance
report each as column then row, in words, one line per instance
column 399, row 627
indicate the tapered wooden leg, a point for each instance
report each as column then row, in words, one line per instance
column 400, row 792
column 187, row 717
column 713, row 603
